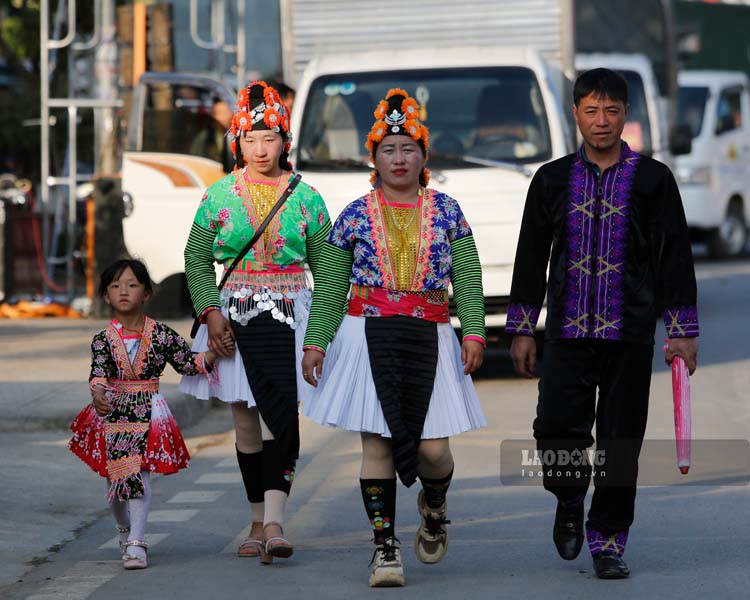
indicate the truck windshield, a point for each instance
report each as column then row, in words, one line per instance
column 692, row 106
column 637, row 131
column 490, row 114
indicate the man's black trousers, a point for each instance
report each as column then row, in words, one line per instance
column 567, row 410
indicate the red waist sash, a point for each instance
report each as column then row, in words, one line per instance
column 431, row 305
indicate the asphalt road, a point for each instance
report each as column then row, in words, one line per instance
column 688, row 541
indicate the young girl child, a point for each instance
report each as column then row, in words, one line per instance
column 128, row 430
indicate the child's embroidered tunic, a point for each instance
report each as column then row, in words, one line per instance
column 140, row 432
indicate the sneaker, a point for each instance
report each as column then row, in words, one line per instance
column 386, row 569
column 431, row 542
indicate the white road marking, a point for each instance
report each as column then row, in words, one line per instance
column 177, row 515
column 195, row 497
column 219, row 478
column 228, row 462
column 152, row 539
column 80, row 581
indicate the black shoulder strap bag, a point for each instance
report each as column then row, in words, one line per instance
column 256, row 236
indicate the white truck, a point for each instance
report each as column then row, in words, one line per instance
column 490, row 76
column 714, row 178
column 493, row 118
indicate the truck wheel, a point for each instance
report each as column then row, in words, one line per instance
column 730, row 238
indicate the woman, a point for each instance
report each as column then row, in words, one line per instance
column 263, row 307
column 395, row 371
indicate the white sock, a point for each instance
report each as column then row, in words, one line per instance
column 119, row 510
column 259, row 510
column 138, row 516
column 275, row 506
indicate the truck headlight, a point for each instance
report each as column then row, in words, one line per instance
column 694, row 175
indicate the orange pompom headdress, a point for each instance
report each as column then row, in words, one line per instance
column 259, row 106
column 398, row 114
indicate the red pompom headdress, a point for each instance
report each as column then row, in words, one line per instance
column 397, row 114
column 259, row 106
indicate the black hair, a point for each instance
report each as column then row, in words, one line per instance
column 113, row 272
column 602, row 82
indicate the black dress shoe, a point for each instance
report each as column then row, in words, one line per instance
column 608, row 565
column 568, row 530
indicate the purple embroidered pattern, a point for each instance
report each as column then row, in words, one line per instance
column 522, row 319
column 579, row 226
column 613, row 544
column 611, row 251
column 681, row 321
column 597, row 229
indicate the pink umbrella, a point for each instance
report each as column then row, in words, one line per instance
column 681, row 396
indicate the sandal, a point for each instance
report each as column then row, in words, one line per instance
column 253, row 544
column 130, row 562
column 274, row 546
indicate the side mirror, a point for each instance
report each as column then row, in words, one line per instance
column 680, row 139
column 726, row 123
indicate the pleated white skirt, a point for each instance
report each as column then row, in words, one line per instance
column 346, row 396
column 233, row 385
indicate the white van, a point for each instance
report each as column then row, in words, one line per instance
column 714, row 178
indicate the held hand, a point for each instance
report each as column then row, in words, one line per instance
column 472, row 355
column 523, row 353
column 210, row 358
column 219, row 332
column 312, row 366
column 102, row 405
column 228, row 342
column 685, row 348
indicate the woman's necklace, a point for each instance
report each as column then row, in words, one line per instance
column 392, row 215
column 403, row 241
column 262, row 197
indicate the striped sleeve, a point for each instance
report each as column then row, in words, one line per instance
column 315, row 244
column 199, row 269
column 329, row 295
column 466, row 278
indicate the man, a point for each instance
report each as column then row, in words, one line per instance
column 620, row 255
column 211, row 141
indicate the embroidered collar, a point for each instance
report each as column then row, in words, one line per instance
column 625, row 154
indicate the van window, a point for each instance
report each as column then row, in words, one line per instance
column 729, row 111
column 185, row 119
column 485, row 114
column 637, row 131
column 691, row 105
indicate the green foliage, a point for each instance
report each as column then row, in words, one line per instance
column 20, row 35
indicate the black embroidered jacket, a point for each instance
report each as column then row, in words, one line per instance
column 620, row 252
